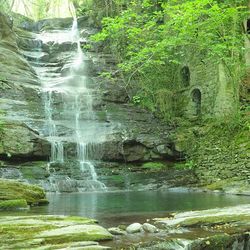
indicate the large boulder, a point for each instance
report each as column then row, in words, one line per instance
column 16, row 194
column 134, row 228
column 51, row 232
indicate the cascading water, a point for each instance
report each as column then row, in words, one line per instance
column 67, row 86
column 82, row 146
column 57, row 151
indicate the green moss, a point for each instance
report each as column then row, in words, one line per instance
column 28, row 232
column 215, row 220
column 16, row 233
column 219, row 185
column 220, row 242
column 81, row 220
column 153, row 165
column 185, row 165
column 36, row 171
column 13, row 190
column 13, row 204
column 77, row 237
column 231, row 183
column 117, row 179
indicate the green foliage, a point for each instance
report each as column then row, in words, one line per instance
column 151, row 39
column 5, row 5
column 40, row 9
column 106, row 75
column 98, row 9
column 136, row 99
column 153, row 165
column 189, row 164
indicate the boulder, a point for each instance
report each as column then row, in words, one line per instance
column 75, row 233
column 134, row 228
column 51, row 232
column 17, row 193
column 149, row 228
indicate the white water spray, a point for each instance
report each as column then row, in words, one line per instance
column 57, row 150
column 84, row 99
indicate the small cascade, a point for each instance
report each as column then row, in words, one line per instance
column 57, row 151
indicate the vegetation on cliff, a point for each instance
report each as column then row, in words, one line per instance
column 151, row 39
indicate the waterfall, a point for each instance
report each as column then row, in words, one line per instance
column 68, row 102
column 82, row 145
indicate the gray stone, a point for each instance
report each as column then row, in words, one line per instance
column 116, row 231
column 149, row 228
column 134, row 228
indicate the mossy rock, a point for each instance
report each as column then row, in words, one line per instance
column 222, row 241
column 13, row 204
column 153, row 165
column 36, row 172
column 51, row 232
column 13, row 190
column 215, row 220
column 75, row 233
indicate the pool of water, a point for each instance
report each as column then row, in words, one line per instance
column 114, row 208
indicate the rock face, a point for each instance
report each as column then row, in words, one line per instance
column 20, row 100
column 21, row 142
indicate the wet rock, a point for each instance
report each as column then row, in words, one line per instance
column 22, row 22
column 53, row 23
column 134, row 228
column 116, row 94
column 13, row 190
column 149, row 228
column 116, row 231
column 210, row 218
